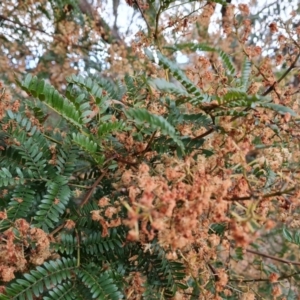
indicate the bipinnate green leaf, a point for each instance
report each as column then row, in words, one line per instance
column 91, row 86
column 291, row 236
column 142, row 116
column 178, row 74
column 206, row 48
column 101, row 287
column 7, row 179
column 168, row 87
column 279, row 108
column 87, row 143
column 246, row 71
column 53, row 204
column 41, row 278
column 52, row 98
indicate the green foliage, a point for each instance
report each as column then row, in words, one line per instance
column 101, row 287
column 202, row 47
column 279, row 108
column 43, row 170
column 55, row 177
column 246, row 71
column 236, row 98
column 53, row 203
column 291, row 236
column 169, row 87
column 161, row 273
column 217, row 228
column 51, row 97
column 6, row 177
column 192, row 89
column 44, row 277
column 142, row 116
column 17, row 209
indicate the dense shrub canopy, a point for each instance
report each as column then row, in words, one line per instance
column 149, row 150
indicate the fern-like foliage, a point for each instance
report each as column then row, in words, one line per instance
column 235, row 97
column 291, row 236
column 53, row 204
column 101, row 287
column 190, row 87
column 68, row 243
column 161, row 273
column 246, row 71
column 169, row 87
column 206, row 48
column 278, row 108
column 51, row 97
column 140, row 116
column 92, row 87
column 106, row 128
column 6, row 177
column 64, row 181
column 62, row 291
column 95, row 244
column 22, row 202
column 115, row 90
column 43, row 278
column 202, row 47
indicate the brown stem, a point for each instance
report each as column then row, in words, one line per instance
column 239, row 198
column 90, row 192
column 23, row 25
column 204, row 134
column 57, row 229
column 124, row 161
column 216, row 277
column 156, row 24
column 285, row 261
column 271, row 88
column 182, row 18
column 279, row 193
column 148, row 145
column 283, row 277
column 33, row 28
column 143, row 15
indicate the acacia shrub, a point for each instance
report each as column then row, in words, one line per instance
column 171, row 183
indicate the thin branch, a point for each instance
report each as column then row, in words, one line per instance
column 212, row 269
column 177, row 5
column 150, row 142
column 57, row 229
column 250, row 280
column 78, row 247
column 292, row 66
column 80, row 186
column 24, row 25
column 204, row 134
column 90, row 192
column 283, row 277
column 144, row 17
column 285, row 261
column 148, row 145
column 53, row 36
column 157, row 23
column 124, row 161
column 239, row 198
column 182, row 18
column 272, row 87
column 251, row 197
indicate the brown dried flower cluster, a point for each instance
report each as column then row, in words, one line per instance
column 21, row 246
